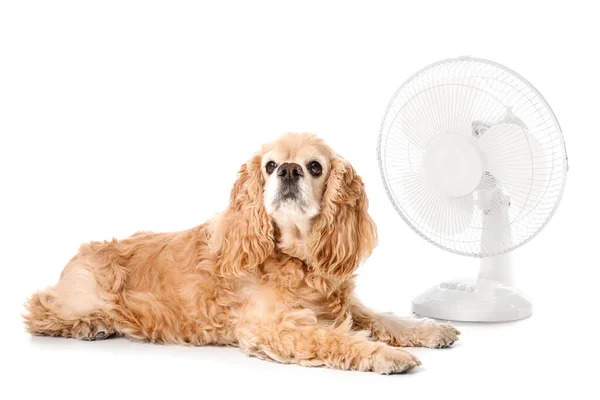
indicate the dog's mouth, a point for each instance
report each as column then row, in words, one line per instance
column 290, row 192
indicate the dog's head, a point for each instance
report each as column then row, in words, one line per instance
column 298, row 197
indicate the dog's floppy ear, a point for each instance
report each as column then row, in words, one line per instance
column 343, row 234
column 242, row 237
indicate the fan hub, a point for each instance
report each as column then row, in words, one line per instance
column 453, row 165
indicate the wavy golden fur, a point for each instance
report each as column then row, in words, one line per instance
column 274, row 277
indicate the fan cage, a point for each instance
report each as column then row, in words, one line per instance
column 401, row 145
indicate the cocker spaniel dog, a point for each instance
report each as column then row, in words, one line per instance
column 273, row 274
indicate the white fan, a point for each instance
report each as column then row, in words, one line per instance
column 473, row 159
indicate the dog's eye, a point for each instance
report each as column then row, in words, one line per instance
column 315, row 168
column 270, row 167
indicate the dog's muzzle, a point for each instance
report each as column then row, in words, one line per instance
column 289, row 175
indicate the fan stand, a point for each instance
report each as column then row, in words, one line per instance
column 492, row 297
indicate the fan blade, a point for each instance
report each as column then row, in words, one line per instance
column 517, row 160
column 429, row 210
column 541, row 174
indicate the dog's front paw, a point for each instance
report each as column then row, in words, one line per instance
column 389, row 360
column 436, row 335
column 90, row 330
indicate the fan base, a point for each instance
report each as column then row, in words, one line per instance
column 485, row 301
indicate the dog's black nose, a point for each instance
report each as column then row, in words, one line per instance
column 290, row 172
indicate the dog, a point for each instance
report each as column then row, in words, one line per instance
column 273, row 274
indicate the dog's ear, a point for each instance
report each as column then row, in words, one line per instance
column 343, row 234
column 242, row 237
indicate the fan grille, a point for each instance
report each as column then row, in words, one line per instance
column 526, row 157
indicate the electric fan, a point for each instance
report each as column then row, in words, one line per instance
column 473, row 159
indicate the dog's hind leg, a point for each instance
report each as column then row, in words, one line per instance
column 42, row 319
column 76, row 307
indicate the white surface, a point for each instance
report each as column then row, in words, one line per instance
column 119, row 116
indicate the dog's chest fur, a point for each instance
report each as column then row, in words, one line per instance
column 298, row 287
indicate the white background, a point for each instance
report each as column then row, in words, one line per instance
column 122, row 116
